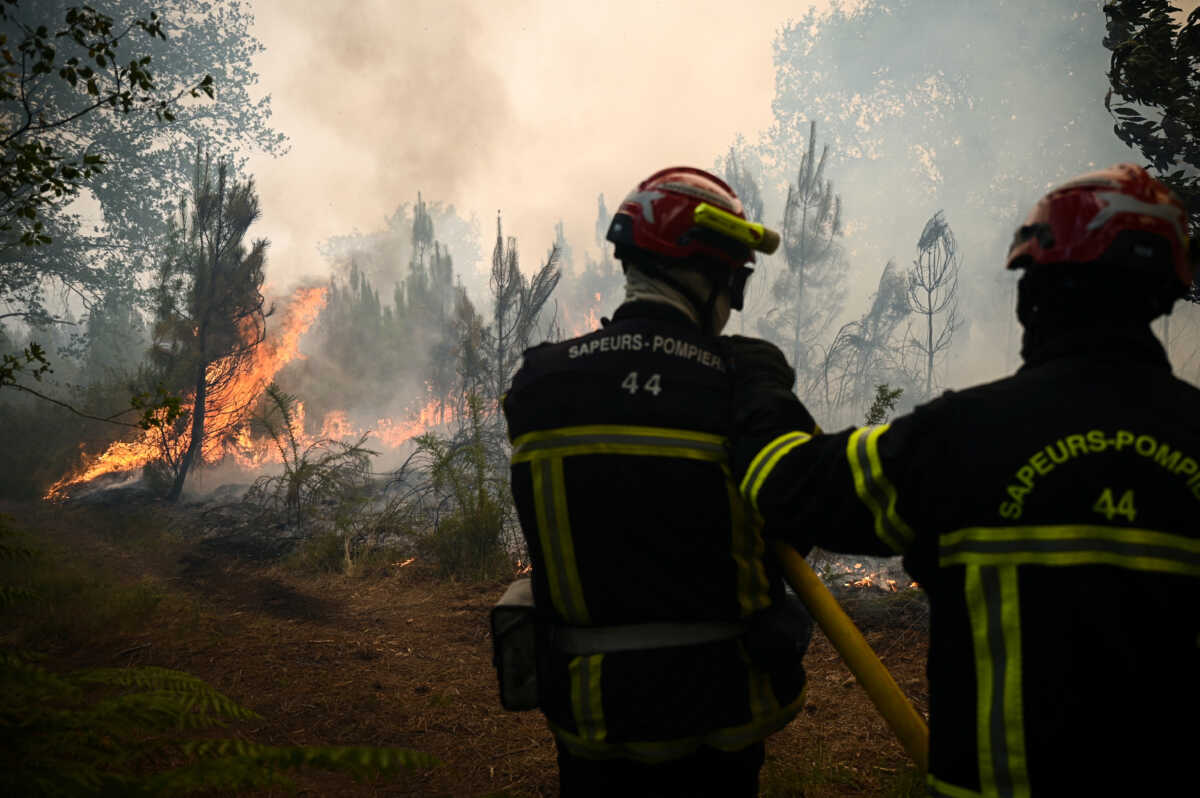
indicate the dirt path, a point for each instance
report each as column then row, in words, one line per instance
column 405, row 660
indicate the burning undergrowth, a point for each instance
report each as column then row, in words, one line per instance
column 876, row 592
column 240, row 433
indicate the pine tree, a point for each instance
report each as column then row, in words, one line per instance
column 211, row 312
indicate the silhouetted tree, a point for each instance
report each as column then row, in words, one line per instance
column 933, row 292
column 517, row 303
column 866, row 351
column 809, row 292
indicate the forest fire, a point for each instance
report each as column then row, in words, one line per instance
column 233, row 402
column 590, row 323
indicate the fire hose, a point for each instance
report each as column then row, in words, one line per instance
column 891, row 702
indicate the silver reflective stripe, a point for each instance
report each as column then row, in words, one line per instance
column 641, row 636
column 619, row 439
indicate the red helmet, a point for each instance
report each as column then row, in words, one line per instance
column 1079, row 221
column 658, row 218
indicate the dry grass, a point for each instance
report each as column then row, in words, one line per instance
column 404, row 659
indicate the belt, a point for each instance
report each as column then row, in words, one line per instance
column 641, row 636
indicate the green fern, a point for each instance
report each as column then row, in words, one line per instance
column 131, row 732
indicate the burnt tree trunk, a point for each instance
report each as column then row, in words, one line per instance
column 197, row 438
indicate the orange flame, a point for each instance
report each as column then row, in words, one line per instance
column 236, row 397
column 590, row 323
column 233, row 403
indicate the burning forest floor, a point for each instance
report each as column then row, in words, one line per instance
column 395, row 657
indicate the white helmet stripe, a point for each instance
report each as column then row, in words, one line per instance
column 646, row 200
column 1115, row 202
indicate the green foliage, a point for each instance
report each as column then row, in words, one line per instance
column 210, row 316
column 87, row 90
column 34, row 175
column 73, row 603
column 1155, row 77
column 32, row 356
column 123, row 731
column 467, row 542
column 470, row 530
column 140, row 731
column 316, row 475
column 323, row 553
column 325, row 483
column 883, row 404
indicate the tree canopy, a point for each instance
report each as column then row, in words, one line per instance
column 1155, row 95
column 98, row 106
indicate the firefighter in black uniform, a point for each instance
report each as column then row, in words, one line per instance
column 1052, row 517
column 670, row 650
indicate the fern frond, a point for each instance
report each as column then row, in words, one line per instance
column 10, row 552
column 12, row 595
column 359, row 761
column 17, row 672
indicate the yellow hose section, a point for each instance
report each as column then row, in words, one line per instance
column 900, row 715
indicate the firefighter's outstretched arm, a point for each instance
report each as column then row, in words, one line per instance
column 765, row 409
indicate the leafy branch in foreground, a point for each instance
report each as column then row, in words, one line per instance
column 156, row 409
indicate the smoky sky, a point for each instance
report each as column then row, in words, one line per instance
column 527, row 107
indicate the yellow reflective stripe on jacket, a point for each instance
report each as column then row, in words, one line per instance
column 587, row 703
column 874, row 488
column 554, row 533
column 994, row 607
column 763, row 702
column 619, row 439
column 749, row 550
column 538, row 448
column 1075, row 544
column 766, row 460
column 733, row 738
column 942, row 789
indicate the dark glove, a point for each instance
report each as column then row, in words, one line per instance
column 763, row 401
column 764, row 405
column 758, row 362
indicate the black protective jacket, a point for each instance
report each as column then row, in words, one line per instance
column 1053, row 518
column 621, row 479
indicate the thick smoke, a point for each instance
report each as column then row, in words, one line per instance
column 973, row 109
